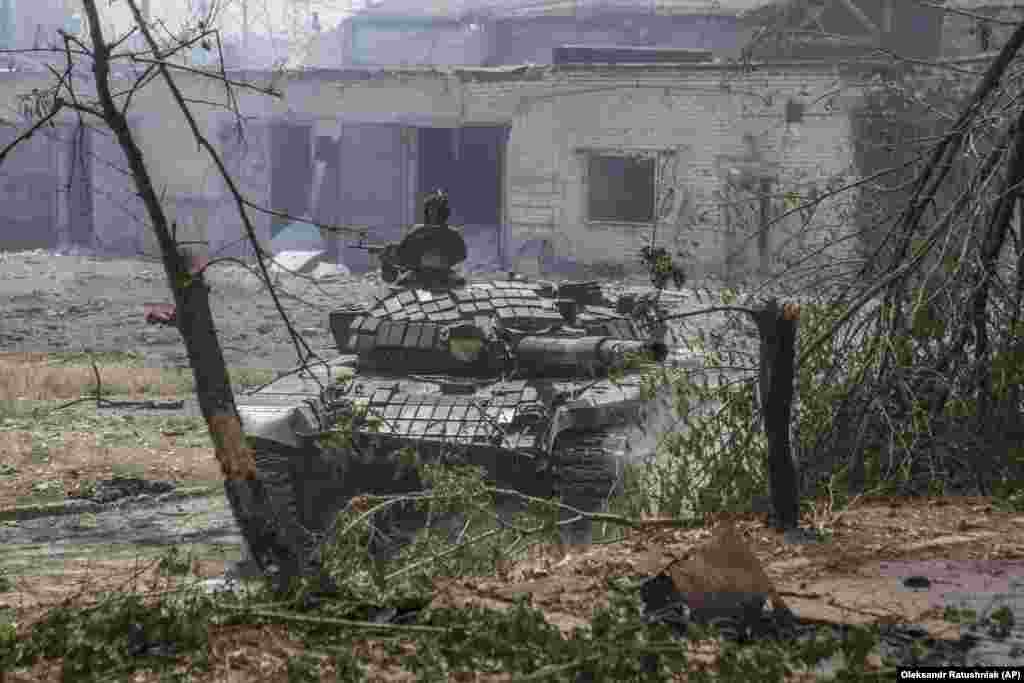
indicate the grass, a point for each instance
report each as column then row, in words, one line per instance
column 52, row 449
column 40, row 376
column 49, row 427
column 332, row 641
column 128, row 469
column 254, row 636
column 46, row 453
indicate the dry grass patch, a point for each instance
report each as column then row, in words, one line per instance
column 47, row 453
column 38, row 476
column 40, row 376
column 82, row 580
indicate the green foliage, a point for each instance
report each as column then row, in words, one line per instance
column 347, row 667
column 49, row 427
column 956, row 615
column 926, row 324
column 5, row 581
column 661, row 267
column 181, row 380
column 1009, row 493
column 717, row 462
column 1001, row 622
column 45, row 491
column 174, row 562
column 303, row 669
column 631, row 362
column 458, row 494
column 1007, row 367
column 248, row 378
column 112, row 636
column 710, row 452
column 347, row 424
column 40, row 452
column 520, row 641
column 86, row 488
column 8, row 641
column 87, row 520
column 100, row 358
column 825, row 379
column 183, row 280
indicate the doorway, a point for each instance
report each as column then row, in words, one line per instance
column 467, row 163
column 291, row 171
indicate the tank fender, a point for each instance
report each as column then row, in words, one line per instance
column 287, row 425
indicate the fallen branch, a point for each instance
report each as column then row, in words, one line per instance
column 329, row 621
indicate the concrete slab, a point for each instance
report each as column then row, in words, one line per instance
column 296, row 261
column 326, row 271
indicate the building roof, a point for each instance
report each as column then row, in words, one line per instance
column 984, row 4
column 539, row 8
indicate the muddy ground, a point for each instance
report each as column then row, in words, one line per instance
column 901, row 565
column 970, row 553
column 54, row 302
column 75, row 303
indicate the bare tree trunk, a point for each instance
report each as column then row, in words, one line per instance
column 246, row 493
column 777, row 328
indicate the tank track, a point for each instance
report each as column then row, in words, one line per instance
column 307, row 489
column 588, row 471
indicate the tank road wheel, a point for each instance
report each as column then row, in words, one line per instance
column 588, row 471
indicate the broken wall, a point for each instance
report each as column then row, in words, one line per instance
column 685, row 123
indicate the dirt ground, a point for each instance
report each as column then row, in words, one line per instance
column 65, row 303
column 55, row 302
column 75, row 303
column 856, row 576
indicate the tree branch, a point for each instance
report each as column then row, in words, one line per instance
column 199, row 72
column 176, row 93
column 58, row 105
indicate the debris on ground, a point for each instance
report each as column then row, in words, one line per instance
column 722, row 585
column 302, row 262
column 120, row 487
column 160, row 314
column 147, row 404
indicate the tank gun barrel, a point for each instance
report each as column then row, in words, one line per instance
column 557, row 354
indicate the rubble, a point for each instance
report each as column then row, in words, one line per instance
column 722, row 585
column 160, row 314
column 295, row 262
column 330, row 271
column 119, row 488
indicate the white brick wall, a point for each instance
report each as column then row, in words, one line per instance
column 698, row 113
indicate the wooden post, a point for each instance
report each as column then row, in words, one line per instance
column 777, row 328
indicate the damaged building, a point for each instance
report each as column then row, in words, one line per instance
column 563, row 132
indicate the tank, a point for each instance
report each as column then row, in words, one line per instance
column 513, row 375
